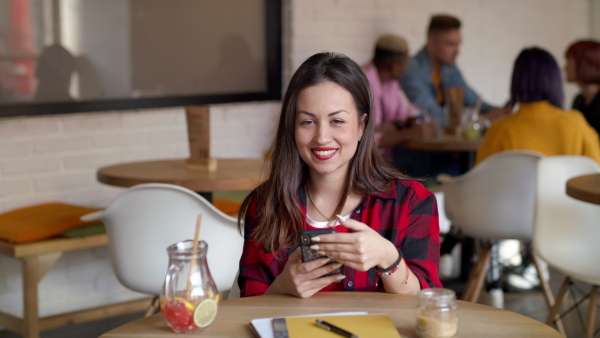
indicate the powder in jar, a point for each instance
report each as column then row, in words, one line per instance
column 436, row 316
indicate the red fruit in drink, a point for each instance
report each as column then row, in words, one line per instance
column 178, row 315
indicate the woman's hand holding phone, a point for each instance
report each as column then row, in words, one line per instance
column 360, row 250
column 304, row 279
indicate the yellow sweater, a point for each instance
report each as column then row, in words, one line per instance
column 541, row 127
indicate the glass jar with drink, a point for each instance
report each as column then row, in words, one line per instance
column 189, row 297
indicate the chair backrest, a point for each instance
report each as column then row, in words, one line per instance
column 443, row 220
column 495, row 199
column 566, row 230
column 144, row 220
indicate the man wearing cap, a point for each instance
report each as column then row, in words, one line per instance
column 434, row 69
column 391, row 108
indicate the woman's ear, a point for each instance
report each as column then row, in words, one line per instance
column 362, row 125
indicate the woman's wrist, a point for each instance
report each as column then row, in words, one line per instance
column 391, row 259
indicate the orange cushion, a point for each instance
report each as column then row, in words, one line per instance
column 41, row 221
column 227, row 206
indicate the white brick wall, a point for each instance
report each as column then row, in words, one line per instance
column 55, row 157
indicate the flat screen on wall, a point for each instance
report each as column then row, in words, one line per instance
column 64, row 56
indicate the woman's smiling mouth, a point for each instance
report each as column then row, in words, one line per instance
column 324, row 153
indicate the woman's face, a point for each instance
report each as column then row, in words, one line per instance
column 327, row 128
column 571, row 70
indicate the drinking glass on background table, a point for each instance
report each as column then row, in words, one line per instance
column 189, row 297
column 422, row 115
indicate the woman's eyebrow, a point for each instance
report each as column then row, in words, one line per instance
column 330, row 114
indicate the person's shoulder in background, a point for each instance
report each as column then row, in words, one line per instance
column 578, row 102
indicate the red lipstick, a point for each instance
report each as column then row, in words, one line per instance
column 323, row 153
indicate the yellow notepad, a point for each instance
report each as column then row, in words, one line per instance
column 364, row 326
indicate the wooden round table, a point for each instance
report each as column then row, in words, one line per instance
column 445, row 143
column 231, row 175
column 585, row 188
column 450, row 143
column 234, row 316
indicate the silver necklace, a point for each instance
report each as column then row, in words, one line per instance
column 330, row 222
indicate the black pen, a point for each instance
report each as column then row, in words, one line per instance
column 333, row 328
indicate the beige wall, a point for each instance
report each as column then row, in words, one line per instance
column 595, row 19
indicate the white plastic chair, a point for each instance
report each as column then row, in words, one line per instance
column 566, row 230
column 144, row 220
column 492, row 201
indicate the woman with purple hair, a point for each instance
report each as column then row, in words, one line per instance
column 540, row 124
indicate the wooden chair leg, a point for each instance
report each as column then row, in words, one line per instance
column 547, row 293
column 589, row 328
column 564, row 288
column 153, row 307
column 477, row 277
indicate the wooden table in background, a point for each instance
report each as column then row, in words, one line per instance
column 231, row 175
column 39, row 257
column 445, row 143
column 585, row 188
column 234, row 316
column 466, row 148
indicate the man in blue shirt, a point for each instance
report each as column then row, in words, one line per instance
column 434, row 69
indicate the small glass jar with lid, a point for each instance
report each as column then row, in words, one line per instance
column 436, row 315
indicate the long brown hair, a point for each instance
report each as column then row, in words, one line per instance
column 279, row 215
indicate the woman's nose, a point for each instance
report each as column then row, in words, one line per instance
column 323, row 134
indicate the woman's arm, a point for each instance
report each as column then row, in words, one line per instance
column 258, row 268
column 417, row 235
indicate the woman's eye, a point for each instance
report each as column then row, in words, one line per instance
column 337, row 121
column 306, row 122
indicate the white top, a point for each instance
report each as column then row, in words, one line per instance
column 323, row 225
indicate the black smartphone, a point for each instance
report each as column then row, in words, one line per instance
column 309, row 254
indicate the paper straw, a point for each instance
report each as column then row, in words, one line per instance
column 193, row 267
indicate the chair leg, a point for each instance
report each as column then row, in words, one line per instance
column 153, row 307
column 564, row 288
column 477, row 277
column 545, row 286
column 589, row 328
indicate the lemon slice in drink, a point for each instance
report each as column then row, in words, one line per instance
column 182, row 300
column 205, row 313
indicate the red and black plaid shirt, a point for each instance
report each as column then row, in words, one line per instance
column 407, row 215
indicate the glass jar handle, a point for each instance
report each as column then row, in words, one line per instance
column 171, row 281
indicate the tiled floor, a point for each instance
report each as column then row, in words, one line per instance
column 531, row 304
